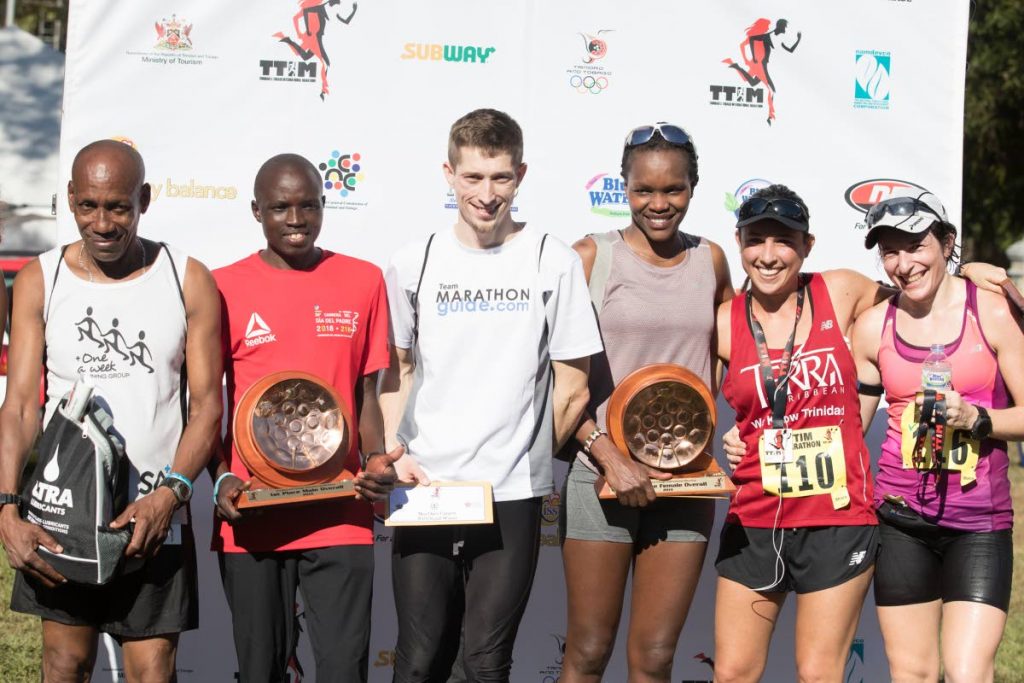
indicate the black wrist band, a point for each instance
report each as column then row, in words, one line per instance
column 10, row 499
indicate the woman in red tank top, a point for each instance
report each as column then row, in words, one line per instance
column 802, row 517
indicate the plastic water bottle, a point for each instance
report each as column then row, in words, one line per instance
column 936, row 372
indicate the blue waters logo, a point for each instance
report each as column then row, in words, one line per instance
column 871, row 88
column 607, row 195
column 733, row 200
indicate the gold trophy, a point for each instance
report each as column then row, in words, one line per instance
column 664, row 417
column 292, row 431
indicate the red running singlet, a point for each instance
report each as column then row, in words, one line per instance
column 823, row 416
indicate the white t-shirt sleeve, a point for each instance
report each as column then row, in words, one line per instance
column 573, row 332
column 397, row 278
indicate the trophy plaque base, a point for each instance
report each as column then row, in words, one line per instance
column 711, row 482
column 262, row 496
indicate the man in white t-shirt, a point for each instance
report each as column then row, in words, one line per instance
column 492, row 331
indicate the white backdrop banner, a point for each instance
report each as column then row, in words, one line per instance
column 842, row 101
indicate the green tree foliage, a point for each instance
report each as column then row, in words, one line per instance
column 47, row 19
column 994, row 131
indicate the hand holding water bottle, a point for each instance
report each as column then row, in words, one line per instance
column 937, row 374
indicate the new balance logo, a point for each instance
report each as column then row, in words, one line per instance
column 258, row 332
column 857, row 557
column 826, row 325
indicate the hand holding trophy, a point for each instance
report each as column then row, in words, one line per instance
column 663, row 416
column 293, row 431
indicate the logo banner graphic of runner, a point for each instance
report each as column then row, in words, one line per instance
column 845, row 102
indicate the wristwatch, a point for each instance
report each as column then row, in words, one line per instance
column 10, row 499
column 181, row 490
column 982, row 426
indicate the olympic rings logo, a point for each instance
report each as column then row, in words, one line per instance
column 588, row 83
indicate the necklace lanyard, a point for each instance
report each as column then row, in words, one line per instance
column 776, row 390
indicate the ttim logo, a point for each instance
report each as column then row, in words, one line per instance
column 865, row 194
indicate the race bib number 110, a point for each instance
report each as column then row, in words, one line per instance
column 817, row 466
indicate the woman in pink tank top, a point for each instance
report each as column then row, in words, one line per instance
column 942, row 492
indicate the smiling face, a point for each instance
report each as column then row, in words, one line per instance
column 773, row 255
column 916, row 264
column 484, row 187
column 659, row 191
column 290, row 206
column 107, row 195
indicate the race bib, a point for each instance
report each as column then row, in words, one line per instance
column 814, row 464
column 777, row 446
column 959, row 451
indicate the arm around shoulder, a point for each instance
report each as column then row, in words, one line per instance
column 1003, row 327
column 853, row 293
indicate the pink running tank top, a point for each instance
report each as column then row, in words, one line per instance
column 969, row 490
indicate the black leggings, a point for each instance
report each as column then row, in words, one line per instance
column 471, row 581
column 926, row 562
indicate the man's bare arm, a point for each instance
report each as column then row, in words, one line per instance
column 19, row 425
column 569, row 396
column 395, row 386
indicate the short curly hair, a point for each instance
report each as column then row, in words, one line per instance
column 490, row 130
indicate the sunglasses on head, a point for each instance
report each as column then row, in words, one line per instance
column 760, row 206
column 904, row 207
column 671, row 133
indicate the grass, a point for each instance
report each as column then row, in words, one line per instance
column 20, row 640
column 19, row 635
column 1010, row 659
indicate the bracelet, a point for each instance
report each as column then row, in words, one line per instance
column 365, row 459
column 594, row 436
column 182, row 478
column 216, row 486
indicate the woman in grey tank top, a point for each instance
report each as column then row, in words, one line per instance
column 655, row 289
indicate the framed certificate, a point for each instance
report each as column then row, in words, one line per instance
column 441, row 502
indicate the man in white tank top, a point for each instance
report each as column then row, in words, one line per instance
column 125, row 311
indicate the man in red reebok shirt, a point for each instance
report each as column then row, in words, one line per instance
column 294, row 306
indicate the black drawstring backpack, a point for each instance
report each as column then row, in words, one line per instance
column 80, row 484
